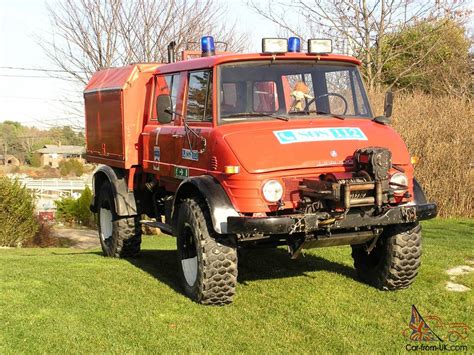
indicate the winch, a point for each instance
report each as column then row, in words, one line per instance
column 367, row 186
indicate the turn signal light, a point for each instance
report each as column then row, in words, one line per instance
column 414, row 160
column 232, row 169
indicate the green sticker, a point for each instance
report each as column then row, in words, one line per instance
column 181, row 173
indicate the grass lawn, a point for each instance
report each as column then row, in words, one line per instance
column 67, row 300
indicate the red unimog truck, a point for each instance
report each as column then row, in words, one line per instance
column 229, row 151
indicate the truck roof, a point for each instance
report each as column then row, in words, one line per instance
column 117, row 78
column 208, row 62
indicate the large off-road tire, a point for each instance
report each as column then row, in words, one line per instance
column 208, row 266
column 394, row 262
column 120, row 237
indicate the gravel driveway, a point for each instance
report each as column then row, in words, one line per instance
column 82, row 238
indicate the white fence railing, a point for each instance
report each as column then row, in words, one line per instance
column 54, row 187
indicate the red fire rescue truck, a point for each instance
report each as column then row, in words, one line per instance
column 227, row 151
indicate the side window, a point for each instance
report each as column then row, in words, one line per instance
column 200, row 96
column 174, row 85
column 359, row 103
column 167, row 85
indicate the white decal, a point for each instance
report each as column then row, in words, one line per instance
column 157, row 135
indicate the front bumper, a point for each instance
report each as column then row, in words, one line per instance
column 307, row 223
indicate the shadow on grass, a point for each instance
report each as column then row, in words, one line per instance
column 79, row 252
column 161, row 264
column 276, row 263
column 262, row 264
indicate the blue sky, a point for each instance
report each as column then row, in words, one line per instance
column 31, row 97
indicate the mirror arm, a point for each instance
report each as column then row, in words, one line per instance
column 189, row 129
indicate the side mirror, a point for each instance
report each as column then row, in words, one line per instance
column 388, row 104
column 163, row 108
column 387, row 109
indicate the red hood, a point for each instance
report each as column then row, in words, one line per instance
column 271, row 146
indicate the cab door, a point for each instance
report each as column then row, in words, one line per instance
column 160, row 151
column 191, row 144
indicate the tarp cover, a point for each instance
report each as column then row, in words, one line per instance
column 117, row 78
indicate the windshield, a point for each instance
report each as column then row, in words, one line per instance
column 256, row 91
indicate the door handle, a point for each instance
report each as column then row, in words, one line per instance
column 177, row 135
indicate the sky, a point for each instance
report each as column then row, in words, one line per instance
column 33, row 98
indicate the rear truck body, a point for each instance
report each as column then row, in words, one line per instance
column 222, row 152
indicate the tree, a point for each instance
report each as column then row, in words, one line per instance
column 94, row 34
column 361, row 27
column 16, row 213
column 66, row 135
column 446, row 70
column 8, row 137
column 70, row 210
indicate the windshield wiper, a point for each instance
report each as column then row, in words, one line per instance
column 256, row 114
column 330, row 114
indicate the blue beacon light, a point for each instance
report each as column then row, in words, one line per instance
column 207, row 46
column 294, row 44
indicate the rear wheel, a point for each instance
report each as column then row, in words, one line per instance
column 208, row 265
column 394, row 262
column 119, row 236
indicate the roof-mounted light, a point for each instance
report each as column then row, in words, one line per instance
column 207, row 46
column 294, row 44
column 274, row 45
column 319, row 46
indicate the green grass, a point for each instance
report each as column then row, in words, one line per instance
column 66, row 300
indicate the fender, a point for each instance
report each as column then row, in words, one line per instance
column 215, row 196
column 420, row 197
column 124, row 199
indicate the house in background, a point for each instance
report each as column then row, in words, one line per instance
column 51, row 155
column 10, row 161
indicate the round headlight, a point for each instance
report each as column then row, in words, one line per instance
column 399, row 183
column 272, row 191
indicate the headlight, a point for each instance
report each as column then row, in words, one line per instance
column 399, row 183
column 272, row 191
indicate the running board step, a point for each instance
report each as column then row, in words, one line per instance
column 164, row 228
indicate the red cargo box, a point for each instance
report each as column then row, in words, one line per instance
column 115, row 101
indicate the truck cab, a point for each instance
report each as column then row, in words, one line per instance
column 229, row 151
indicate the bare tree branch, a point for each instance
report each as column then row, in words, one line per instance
column 362, row 26
column 93, row 34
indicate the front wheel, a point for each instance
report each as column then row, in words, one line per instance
column 208, row 265
column 394, row 262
